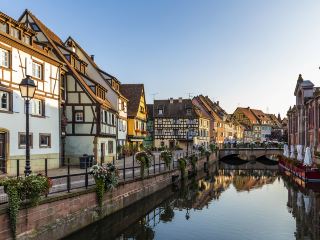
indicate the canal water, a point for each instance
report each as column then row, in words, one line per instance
column 249, row 201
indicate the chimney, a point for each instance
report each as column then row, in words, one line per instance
column 92, row 57
column 171, row 100
column 180, row 99
column 218, row 103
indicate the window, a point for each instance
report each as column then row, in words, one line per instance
column 27, row 39
column 141, row 109
column 137, row 125
column 4, row 58
column 36, row 70
column 44, row 140
column 15, row 32
column 78, row 116
column 22, row 140
column 110, row 146
column 3, row 27
column 4, row 101
column 37, row 107
column 188, row 111
column 35, row 27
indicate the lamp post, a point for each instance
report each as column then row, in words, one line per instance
column 27, row 89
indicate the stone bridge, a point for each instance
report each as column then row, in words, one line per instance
column 248, row 153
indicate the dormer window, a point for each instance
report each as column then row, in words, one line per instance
column 34, row 27
column 3, row 27
column 160, row 110
column 188, row 111
column 27, row 39
column 14, row 32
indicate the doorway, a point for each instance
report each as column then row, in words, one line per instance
column 103, row 152
column 3, row 147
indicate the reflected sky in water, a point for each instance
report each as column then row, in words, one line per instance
column 223, row 204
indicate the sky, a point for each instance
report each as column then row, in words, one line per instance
column 240, row 53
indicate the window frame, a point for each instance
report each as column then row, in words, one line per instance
column 75, row 116
column 49, row 141
column 8, row 66
column 23, row 146
column 9, row 101
column 42, row 107
column 41, row 70
column 110, row 149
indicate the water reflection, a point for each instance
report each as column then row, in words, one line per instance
column 167, row 214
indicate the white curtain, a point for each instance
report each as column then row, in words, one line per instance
column 292, row 155
column 299, row 149
column 307, row 157
column 285, row 150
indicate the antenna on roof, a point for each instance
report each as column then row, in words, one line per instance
column 154, row 96
column 190, row 95
column 267, row 109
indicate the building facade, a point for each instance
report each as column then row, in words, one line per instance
column 22, row 55
column 303, row 117
column 179, row 123
column 137, row 114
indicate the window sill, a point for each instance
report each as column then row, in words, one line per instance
column 44, row 146
column 4, row 111
column 24, row 147
column 37, row 116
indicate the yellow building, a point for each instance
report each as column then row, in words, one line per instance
column 137, row 114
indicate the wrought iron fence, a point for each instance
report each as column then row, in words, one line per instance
column 71, row 177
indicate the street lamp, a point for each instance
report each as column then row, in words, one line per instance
column 27, row 89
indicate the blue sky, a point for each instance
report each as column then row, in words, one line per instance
column 242, row 53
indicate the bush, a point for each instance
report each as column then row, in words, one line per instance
column 29, row 188
column 182, row 166
column 166, row 156
column 144, row 159
column 106, row 178
column 193, row 161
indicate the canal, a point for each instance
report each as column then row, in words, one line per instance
column 249, row 201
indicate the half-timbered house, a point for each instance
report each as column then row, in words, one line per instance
column 89, row 123
column 21, row 54
column 177, row 122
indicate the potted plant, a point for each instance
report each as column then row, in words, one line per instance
column 182, row 166
column 193, row 160
column 144, row 159
column 166, row 156
column 106, row 178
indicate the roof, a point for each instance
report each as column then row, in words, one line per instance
column 150, row 110
column 176, row 109
column 44, row 28
column 274, row 120
column 208, row 104
column 303, row 84
column 133, row 93
column 248, row 114
column 261, row 116
column 49, row 35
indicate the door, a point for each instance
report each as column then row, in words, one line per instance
column 103, row 152
column 3, row 152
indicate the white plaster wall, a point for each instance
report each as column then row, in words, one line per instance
column 15, row 122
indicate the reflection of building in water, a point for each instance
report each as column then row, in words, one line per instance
column 305, row 208
column 211, row 189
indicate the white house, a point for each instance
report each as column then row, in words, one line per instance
column 21, row 55
column 89, row 98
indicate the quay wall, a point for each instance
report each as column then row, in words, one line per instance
column 60, row 215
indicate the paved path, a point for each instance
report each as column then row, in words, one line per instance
column 77, row 180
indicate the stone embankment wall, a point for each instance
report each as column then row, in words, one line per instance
column 60, row 215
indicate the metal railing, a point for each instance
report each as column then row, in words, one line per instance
column 71, row 177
